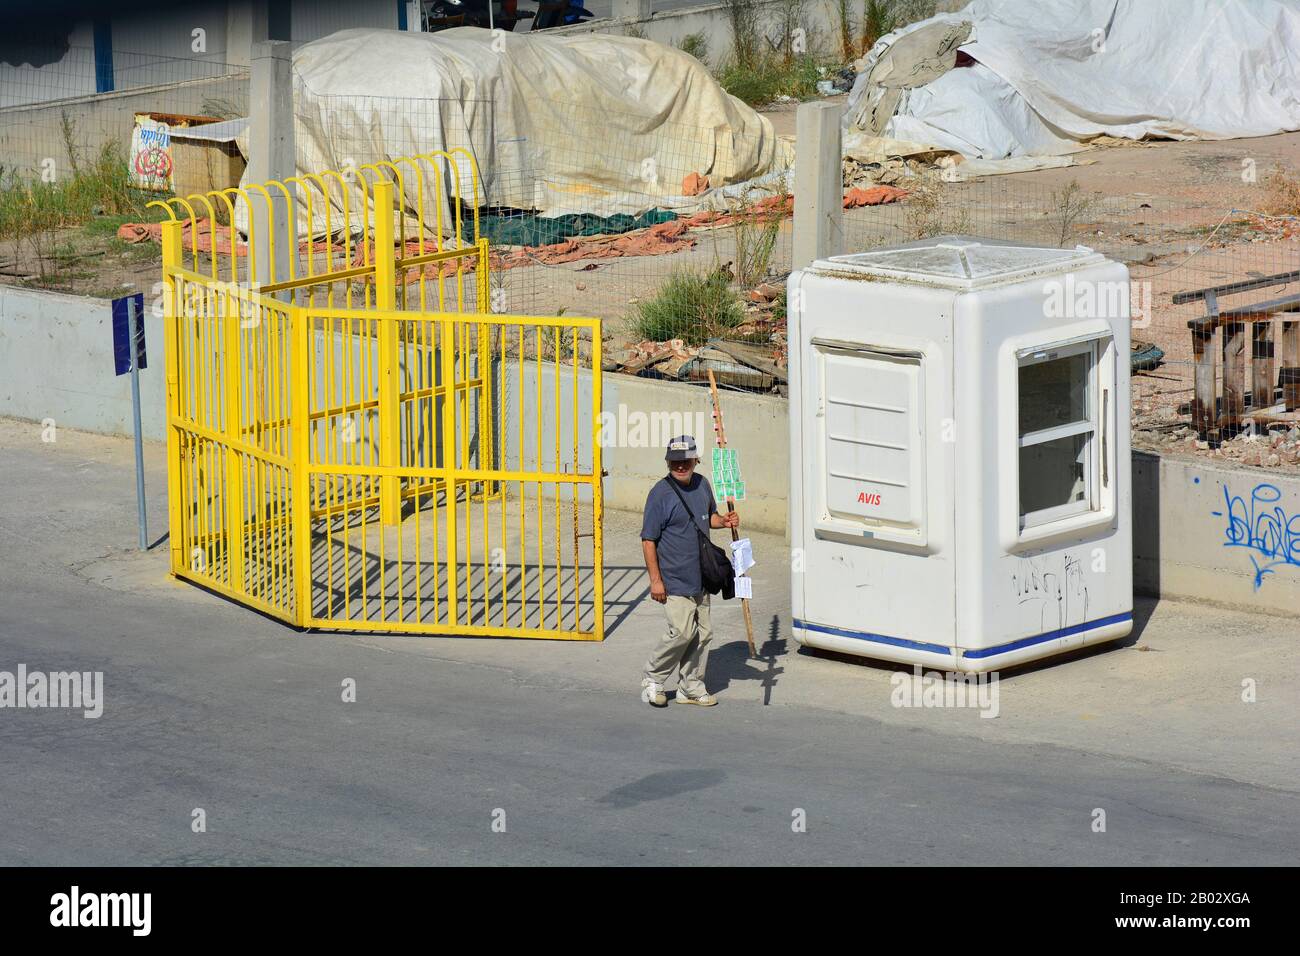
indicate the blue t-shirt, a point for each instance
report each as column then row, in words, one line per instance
column 678, row 543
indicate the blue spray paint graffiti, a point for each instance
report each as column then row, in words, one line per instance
column 1263, row 527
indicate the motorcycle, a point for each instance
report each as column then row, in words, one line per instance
column 446, row 14
column 560, row 14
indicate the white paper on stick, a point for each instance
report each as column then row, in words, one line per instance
column 744, row 587
column 742, row 556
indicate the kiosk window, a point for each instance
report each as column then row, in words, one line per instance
column 1058, row 433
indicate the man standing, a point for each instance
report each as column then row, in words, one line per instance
column 671, row 543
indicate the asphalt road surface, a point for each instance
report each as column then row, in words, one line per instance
column 248, row 724
column 210, row 707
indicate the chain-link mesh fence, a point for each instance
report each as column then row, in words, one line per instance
column 602, row 214
column 679, row 238
column 54, row 117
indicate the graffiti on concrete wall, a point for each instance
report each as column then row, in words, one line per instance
column 1262, row 525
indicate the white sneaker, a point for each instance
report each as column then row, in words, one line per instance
column 703, row 700
column 652, row 693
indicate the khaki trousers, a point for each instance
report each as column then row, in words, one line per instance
column 684, row 646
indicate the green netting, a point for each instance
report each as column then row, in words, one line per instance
column 528, row 229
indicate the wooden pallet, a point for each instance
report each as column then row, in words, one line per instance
column 1235, row 328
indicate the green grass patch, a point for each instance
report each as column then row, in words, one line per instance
column 691, row 305
column 98, row 195
column 696, row 45
column 764, row 78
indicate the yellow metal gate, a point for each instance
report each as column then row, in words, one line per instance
column 355, row 440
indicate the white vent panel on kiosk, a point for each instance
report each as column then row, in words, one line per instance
column 873, row 454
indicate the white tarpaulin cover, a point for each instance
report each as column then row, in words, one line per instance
column 585, row 123
column 1049, row 76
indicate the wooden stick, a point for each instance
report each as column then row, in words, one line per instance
column 721, row 436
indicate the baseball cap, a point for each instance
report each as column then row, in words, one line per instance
column 681, row 448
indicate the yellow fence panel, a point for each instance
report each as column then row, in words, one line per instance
column 498, row 529
column 230, row 470
column 355, row 441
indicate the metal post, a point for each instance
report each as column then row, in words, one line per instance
column 132, row 324
column 818, row 184
column 299, row 429
column 390, row 433
column 232, row 372
column 172, row 255
column 597, row 485
column 447, row 359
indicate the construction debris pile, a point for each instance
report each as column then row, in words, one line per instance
column 1165, row 432
column 747, row 365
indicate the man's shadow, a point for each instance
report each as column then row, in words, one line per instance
column 731, row 661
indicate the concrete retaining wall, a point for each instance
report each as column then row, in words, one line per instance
column 1201, row 531
column 1226, row 535
column 638, row 419
column 56, row 361
column 818, row 19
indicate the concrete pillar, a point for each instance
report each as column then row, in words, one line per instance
column 239, row 32
column 818, row 183
column 635, row 9
column 271, row 157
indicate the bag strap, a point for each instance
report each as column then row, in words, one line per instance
column 673, row 484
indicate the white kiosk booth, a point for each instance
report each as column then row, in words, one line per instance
column 959, row 437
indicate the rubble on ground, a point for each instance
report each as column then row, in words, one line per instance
column 1164, row 431
column 752, row 356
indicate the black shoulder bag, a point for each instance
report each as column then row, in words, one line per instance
column 716, row 572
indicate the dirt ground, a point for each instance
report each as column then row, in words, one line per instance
column 1178, row 213
column 86, row 260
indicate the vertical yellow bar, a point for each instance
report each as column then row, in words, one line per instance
column 522, row 486
column 484, row 456
column 172, row 252
column 481, row 276
column 298, row 355
column 537, row 467
column 449, row 466
column 231, row 382
column 390, row 434
column 555, row 486
column 483, row 296
column 597, row 487
column 499, row 456
column 484, row 403
column 573, row 494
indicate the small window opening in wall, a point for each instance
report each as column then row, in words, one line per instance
column 1058, row 426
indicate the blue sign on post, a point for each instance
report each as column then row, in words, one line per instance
column 122, row 333
column 128, row 331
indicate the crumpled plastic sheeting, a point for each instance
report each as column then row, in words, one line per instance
column 202, row 235
column 1049, row 76
column 873, row 196
column 584, row 123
